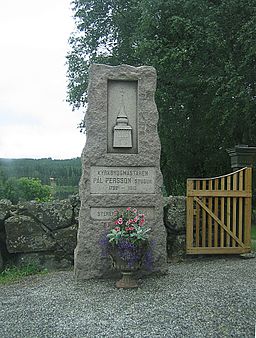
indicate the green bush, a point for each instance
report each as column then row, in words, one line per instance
column 26, row 189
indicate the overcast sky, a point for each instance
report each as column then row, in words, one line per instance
column 35, row 120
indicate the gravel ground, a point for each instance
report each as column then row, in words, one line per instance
column 213, row 297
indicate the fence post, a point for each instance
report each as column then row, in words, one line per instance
column 248, row 207
column 190, row 216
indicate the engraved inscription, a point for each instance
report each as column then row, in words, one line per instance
column 123, row 180
column 106, row 214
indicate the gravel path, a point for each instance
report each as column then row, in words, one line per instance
column 212, row 297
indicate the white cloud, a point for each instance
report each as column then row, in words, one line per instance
column 23, row 142
column 35, row 120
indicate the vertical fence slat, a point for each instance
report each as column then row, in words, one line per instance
column 240, row 209
column 204, row 218
column 190, row 216
column 228, row 211
column 197, row 218
column 222, row 213
column 216, row 212
column 234, row 209
column 209, row 223
column 248, row 207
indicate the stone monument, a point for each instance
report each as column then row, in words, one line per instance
column 242, row 156
column 120, row 162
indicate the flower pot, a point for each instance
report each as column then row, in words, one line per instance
column 127, row 258
column 127, row 281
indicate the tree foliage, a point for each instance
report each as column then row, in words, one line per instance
column 65, row 172
column 204, row 53
column 66, row 175
column 26, row 189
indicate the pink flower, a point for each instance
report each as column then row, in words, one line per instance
column 128, row 209
column 136, row 219
column 142, row 221
column 129, row 228
column 142, row 215
column 134, row 210
column 116, row 222
column 120, row 221
column 117, row 228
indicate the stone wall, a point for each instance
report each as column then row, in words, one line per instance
column 45, row 233
column 175, row 224
column 42, row 233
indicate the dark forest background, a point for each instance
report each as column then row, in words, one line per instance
column 204, row 53
column 61, row 175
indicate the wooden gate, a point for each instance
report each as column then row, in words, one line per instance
column 219, row 214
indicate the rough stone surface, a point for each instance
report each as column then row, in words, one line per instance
column 66, row 238
column 5, row 207
column 24, row 234
column 242, row 156
column 28, row 238
column 175, row 213
column 177, row 247
column 42, row 227
column 5, row 211
column 24, row 238
column 44, row 260
column 55, row 214
column 175, row 223
column 88, row 260
column 45, row 232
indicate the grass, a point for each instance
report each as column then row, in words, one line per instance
column 253, row 232
column 13, row 273
column 253, row 237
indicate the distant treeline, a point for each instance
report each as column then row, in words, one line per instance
column 66, row 173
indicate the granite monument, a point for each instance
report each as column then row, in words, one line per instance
column 120, row 162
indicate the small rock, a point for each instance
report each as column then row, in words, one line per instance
column 248, row 255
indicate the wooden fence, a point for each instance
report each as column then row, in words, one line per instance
column 219, row 214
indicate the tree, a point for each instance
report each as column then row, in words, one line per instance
column 204, row 53
column 26, row 189
column 3, row 179
column 105, row 31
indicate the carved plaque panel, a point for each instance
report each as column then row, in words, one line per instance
column 123, row 180
column 122, row 102
column 106, row 214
